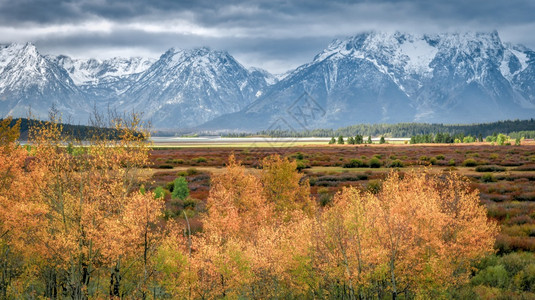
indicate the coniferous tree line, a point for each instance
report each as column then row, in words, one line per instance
column 75, row 132
column 527, row 134
column 409, row 129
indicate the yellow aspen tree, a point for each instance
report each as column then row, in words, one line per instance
column 284, row 187
column 413, row 225
column 80, row 202
column 236, row 212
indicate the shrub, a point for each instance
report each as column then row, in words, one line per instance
column 490, row 139
column 375, row 163
column 469, row 139
column 501, row 139
column 301, row 164
column 469, row 163
column 498, row 198
column 159, row 192
column 424, row 158
column 354, row 163
column 175, row 161
column 180, row 188
column 433, row 161
column 493, row 276
column 440, row 157
column 189, row 203
column 192, row 171
column 510, row 163
column 525, row 279
column 396, row 164
column 515, row 262
column 529, row 167
column 520, row 220
column 374, row 186
column 200, row 159
column 527, row 196
column 451, row 162
column 490, row 168
column 165, row 166
column 488, row 178
column 170, row 186
column 325, row 198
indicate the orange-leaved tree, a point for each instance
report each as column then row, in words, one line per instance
column 237, row 212
column 20, row 212
column 254, row 242
column 84, row 220
column 417, row 236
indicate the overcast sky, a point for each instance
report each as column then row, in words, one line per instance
column 275, row 35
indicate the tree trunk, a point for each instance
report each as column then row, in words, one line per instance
column 51, row 291
column 394, row 288
column 115, row 281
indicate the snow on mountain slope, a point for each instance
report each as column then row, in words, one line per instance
column 447, row 74
column 371, row 77
column 103, row 81
column 7, row 53
column 187, row 87
column 29, row 79
column 384, row 77
column 91, row 71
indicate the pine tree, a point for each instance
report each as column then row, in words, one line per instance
column 340, row 140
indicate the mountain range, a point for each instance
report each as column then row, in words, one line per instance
column 372, row 77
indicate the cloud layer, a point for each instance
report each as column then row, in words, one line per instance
column 276, row 35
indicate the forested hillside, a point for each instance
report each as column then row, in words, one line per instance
column 76, row 132
column 411, row 129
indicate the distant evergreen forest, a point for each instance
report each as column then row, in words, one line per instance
column 510, row 127
column 76, row 132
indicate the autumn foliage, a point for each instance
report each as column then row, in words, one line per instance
column 399, row 242
column 74, row 214
column 74, row 224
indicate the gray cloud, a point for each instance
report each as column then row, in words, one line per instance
column 275, row 34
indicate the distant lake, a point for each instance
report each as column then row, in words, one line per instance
column 230, row 140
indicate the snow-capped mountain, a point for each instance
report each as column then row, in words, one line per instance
column 185, row 88
column 104, row 80
column 369, row 78
column 30, row 80
column 181, row 89
column 380, row 77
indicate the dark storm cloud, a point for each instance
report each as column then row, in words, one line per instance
column 274, row 34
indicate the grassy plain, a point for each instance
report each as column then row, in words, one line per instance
column 504, row 175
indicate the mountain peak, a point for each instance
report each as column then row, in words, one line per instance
column 29, row 49
column 392, row 76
